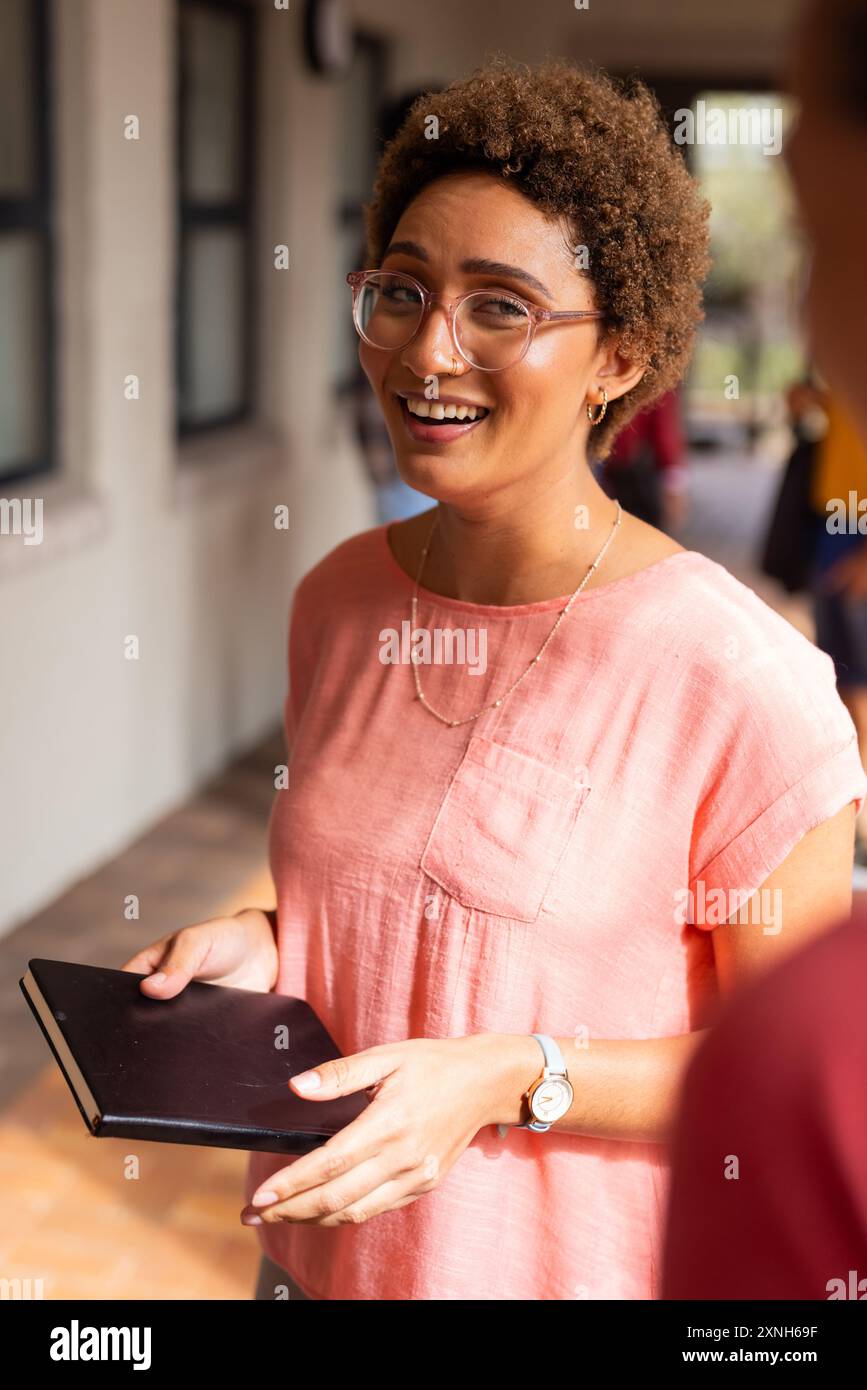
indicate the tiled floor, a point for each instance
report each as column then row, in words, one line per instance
column 70, row 1214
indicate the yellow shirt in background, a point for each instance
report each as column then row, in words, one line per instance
column 841, row 463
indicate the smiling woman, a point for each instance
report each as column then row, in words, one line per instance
column 480, row 875
column 596, row 158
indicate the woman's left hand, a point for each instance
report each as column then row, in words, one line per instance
column 431, row 1097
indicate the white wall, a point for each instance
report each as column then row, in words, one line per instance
column 180, row 550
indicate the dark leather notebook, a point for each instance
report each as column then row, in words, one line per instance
column 202, row 1068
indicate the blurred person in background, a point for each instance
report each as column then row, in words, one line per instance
column 788, row 553
column 840, row 583
column 646, row 468
column 817, row 543
column 768, row 1195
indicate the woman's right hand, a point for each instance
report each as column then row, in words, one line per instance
column 239, row 950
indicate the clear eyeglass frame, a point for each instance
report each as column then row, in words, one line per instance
column 357, row 279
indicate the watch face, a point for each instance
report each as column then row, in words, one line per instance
column 552, row 1099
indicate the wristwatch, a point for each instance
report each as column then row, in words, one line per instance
column 551, row 1095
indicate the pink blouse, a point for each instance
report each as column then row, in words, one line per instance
column 556, row 866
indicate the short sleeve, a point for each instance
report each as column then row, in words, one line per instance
column 786, row 761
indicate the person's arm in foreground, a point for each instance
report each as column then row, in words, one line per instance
column 432, row 1096
column 768, row 1193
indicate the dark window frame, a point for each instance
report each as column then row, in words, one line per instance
column 36, row 213
column 241, row 213
column 377, row 50
column 349, row 214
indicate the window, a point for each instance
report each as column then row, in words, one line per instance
column 27, row 392
column 749, row 347
column 215, row 285
column 361, row 95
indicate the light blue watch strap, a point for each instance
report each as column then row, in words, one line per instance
column 554, row 1062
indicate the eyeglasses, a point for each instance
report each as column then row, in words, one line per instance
column 491, row 329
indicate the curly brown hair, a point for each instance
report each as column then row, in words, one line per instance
column 595, row 152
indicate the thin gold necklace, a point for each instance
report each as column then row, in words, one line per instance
column 453, row 723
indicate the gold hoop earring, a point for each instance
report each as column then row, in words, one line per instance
column 599, row 418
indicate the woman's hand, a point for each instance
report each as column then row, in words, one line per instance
column 431, row 1097
column 238, row 950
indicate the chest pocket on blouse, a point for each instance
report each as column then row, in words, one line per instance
column 502, row 829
